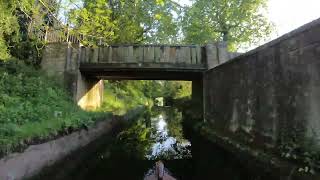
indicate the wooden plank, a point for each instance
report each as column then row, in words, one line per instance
column 179, row 55
column 189, row 53
column 193, row 55
column 115, row 54
column 167, row 54
column 172, row 55
column 199, row 55
column 105, row 54
column 164, row 54
column 148, row 54
column 95, row 54
column 138, row 54
column 105, row 51
column 101, row 54
column 130, row 57
column 185, row 55
column 123, row 53
column 157, row 54
column 87, row 54
column 110, row 52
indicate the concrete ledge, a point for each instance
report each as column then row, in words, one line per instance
column 264, row 163
column 30, row 162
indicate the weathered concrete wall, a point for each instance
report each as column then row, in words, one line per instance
column 30, row 162
column 61, row 60
column 270, row 96
column 89, row 93
column 197, row 98
column 217, row 53
column 54, row 60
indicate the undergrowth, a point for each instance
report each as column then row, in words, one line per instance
column 34, row 106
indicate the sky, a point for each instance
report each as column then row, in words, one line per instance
column 287, row 15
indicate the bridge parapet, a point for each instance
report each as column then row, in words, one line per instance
column 166, row 54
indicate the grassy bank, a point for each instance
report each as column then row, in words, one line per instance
column 34, row 107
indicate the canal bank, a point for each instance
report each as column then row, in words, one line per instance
column 131, row 150
column 36, row 158
column 131, row 146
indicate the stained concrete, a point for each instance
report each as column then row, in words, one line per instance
column 36, row 157
column 269, row 96
column 80, row 69
column 61, row 60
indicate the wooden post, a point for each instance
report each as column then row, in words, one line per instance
column 212, row 56
column 110, row 52
column 193, row 55
column 172, row 55
column 148, row 53
column 130, row 57
column 157, row 54
column 138, row 54
column 95, row 54
column 199, row 55
column 222, row 52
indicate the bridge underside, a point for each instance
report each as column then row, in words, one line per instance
column 145, row 71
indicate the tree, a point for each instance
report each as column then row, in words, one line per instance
column 94, row 20
column 18, row 18
column 239, row 22
column 124, row 22
column 9, row 27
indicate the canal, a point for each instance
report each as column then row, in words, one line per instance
column 132, row 150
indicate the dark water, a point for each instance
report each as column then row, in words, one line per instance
column 157, row 134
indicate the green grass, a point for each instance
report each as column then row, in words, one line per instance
column 34, row 106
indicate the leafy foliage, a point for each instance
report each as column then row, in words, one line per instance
column 121, row 96
column 240, row 22
column 136, row 141
column 9, row 27
column 121, row 21
column 21, row 24
column 34, row 106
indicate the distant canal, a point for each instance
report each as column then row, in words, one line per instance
column 156, row 134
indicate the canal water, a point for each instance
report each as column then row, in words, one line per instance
column 156, row 134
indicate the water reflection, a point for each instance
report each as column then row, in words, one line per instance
column 168, row 144
column 156, row 134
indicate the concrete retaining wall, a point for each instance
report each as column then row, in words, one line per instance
column 270, row 95
column 61, row 60
column 268, row 99
column 30, row 162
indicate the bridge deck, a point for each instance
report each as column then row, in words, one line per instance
column 145, row 71
column 144, row 62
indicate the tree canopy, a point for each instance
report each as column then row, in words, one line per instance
column 239, row 22
column 21, row 21
column 121, row 21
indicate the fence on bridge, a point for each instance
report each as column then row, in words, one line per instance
column 144, row 54
column 191, row 55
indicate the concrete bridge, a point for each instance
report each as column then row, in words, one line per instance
column 255, row 105
column 82, row 68
column 144, row 62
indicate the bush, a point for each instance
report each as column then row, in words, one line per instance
column 33, row 105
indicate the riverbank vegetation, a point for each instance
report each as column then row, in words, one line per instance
column 122, row 96
column 34, row 107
